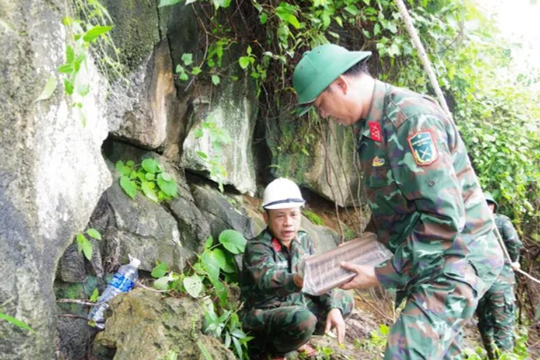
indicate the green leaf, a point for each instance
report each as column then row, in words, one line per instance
column 121, row 168
column 160, row 270
column 215, row 80
column 221, row 3
column 196, row 70
column 169, row 2
column 163, row 283
column 293, row 21
column 67, row 21
column 219, row 257
column 168, row 187
column 244, row 62
column 96, row 32
column 78, row 61
column 15, row 322
column 193, row 285
column 80, row 240
column 238, row 347
column 95, row 295
column 130, row 163
column 86, row 246
column 184, row 77
column 209, row 242
column 211, row 265
column 202, row 155
column 128, row 186
column 230, row 264
column 150, row 176
column 70, row 54
column 66, row 69
column 150, row 165
column 93, row 233
column 263, row 18
column 166, row 176
column 187, row 58
column 233, row 241
column 48, row 89
column 376, row 29
column 147, row 190
column 68, row 87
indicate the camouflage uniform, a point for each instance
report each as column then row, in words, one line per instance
column 496, row 310
column 429, row 211
column 276, row 312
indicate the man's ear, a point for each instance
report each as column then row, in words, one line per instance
column 265, row 217
column 342, row 84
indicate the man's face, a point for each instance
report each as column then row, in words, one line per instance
column 331, row 104
column 491, row 207
column 283, row 223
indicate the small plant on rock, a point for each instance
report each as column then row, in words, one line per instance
column 212, row 275
column 84, row 245
column 148, row 177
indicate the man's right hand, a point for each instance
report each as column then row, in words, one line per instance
column 298, row 280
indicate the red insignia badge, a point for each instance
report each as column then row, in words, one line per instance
column 276, row 244
column 375, row 131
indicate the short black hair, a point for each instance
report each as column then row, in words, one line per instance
column 360, row 67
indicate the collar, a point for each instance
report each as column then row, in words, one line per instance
column 369, row 125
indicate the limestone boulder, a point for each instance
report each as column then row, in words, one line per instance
column 51, row 174
column 234, row 113
column 222, row 212
column 146, row 325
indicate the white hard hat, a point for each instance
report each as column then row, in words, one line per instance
column 282, row 194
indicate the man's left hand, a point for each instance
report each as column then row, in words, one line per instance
column 334, row 319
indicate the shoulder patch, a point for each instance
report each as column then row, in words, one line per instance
column 423, row 148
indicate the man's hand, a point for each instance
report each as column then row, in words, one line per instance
column 365, row 276
column 298, row 280
column 516, row 266
column 334, row 319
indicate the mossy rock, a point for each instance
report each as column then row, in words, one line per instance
column 148, row 325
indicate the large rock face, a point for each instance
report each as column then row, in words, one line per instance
column 51, row 174
column 145, row 325
column 324, row 163
column 234, row 113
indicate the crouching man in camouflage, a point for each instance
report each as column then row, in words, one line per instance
column 496, row 310
column 276, row 312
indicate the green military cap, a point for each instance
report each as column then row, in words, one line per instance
column 490, row 199
column 319, row 68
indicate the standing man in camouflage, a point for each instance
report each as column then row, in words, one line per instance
column 276, row 312
column 496, row 309
column 426, row 206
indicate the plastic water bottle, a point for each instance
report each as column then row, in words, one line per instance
column 123, row 281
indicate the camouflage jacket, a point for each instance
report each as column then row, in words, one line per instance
column 513, row 245
column 422, row 191
column 267, row 273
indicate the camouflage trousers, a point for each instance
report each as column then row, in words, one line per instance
column 429, row 326
column 286, row 328
column 496, row 317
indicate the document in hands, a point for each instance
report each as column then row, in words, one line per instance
column 323, row 272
